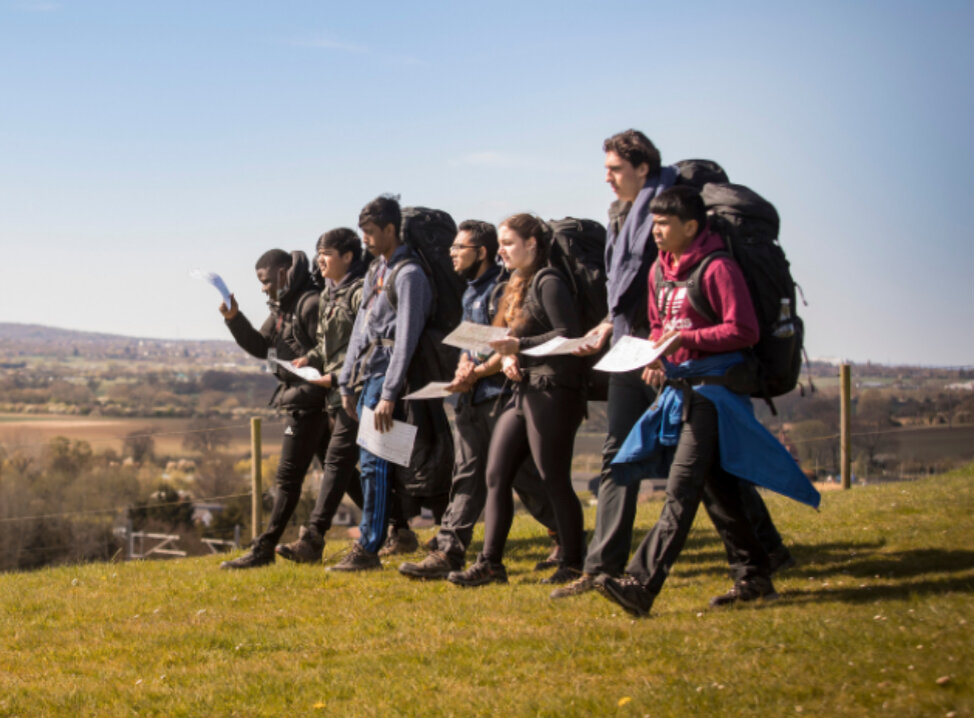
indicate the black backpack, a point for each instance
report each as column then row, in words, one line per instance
column 749, row 226
column 430, row 233
column 577, row 253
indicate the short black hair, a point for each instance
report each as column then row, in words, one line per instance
column 273, row 259
column 482, row 234
column 636, row 148
column 343, row 240
column 382, row 211
column 683, row 202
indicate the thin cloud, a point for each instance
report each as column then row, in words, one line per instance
column 351, row 48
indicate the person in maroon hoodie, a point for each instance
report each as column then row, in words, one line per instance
column 684, row 239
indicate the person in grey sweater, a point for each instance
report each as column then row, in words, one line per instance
column 381, row 346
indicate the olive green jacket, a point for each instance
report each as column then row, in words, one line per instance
column 338, row 308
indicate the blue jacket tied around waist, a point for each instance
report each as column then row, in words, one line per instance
column 747, row 449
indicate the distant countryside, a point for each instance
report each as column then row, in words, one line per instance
column 103, row 434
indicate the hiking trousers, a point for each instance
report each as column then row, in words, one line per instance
column 537, row 423
column 628, row 399
column 694, row 475
column 305, row 436
column 473, row 430
column 339, row 471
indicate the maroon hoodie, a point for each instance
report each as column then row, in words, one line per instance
column 723, row 287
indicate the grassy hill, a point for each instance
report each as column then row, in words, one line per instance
column 877, row 619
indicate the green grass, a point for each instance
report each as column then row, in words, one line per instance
column 876, row 620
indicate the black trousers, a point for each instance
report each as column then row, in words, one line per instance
column 467, row 498
column 537, row 423
column 306, row 433
column 340, row 473
column 628, row 398
column 695, row 475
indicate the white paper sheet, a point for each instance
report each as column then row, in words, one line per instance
column 394, row 445
column 215, row 280
column 631, row 353
column 558, row 345
column 434, row 390
column 306, row 372
column 474, row 337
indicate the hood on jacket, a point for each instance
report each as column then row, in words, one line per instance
column 706, row 242
column 298, row 281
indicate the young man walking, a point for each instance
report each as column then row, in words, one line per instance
column 478, row 384
column 381, row 346
column 633, row 169
column 288, row 333
column 696, row 415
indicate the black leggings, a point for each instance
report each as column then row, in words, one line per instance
column 540, row 423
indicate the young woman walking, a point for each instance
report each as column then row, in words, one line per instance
column 543, row 414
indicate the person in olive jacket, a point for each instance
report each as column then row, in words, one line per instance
column 288, row 333
column 339, row 257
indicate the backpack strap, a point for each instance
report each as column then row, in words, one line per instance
column 533, row 302
column 298, row 329
column 694, row 287
column 391, row 292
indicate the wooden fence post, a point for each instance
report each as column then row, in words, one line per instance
column 255, row 477
column 845, row 455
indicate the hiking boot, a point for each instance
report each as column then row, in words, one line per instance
column 564, row 574
column 308, row 548
column 480, row 573
column 747, row 589
column 583, row 584
column 358, row 559
column 261, row 554
column 399, row 541
column 780, row 559
column 551, row 561
column 435, row 565
column 628, row 593
column 431, row 544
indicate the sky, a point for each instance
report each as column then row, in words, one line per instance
column 140, row 141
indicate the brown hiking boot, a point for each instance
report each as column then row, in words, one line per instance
column 308, row 548
column 435, row 565
column 583, row 584
column 399, row 541
column 357, row 560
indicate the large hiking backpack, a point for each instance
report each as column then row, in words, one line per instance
column 430, row 233
column 749, row 225
column 577, row 253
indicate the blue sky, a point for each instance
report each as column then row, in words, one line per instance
column 140, row 140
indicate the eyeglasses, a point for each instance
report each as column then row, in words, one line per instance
column 455, row 248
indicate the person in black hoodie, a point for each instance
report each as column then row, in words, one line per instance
column 288, row 333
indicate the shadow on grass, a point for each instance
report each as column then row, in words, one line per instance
column 871, row 594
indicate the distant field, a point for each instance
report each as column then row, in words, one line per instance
column 109, row 433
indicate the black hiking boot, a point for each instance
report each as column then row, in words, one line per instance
column 358, row 559
column 551, row 561
column 308, row 548
column 261, row 554
column 628, row 593
column 583, row 584
column 434, row 566
column 755, row 588
column 481, row 573
column 564, row 574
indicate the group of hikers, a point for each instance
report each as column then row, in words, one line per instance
column 364, row 322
